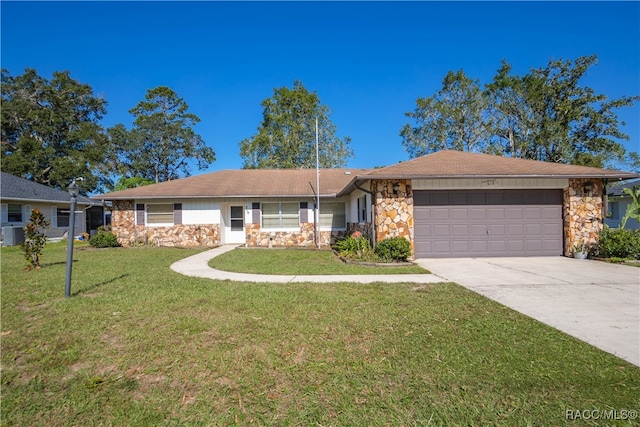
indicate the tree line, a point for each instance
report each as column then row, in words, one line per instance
column 51, row 131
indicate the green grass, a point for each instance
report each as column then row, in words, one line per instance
column 140, row 345
column 298, row 262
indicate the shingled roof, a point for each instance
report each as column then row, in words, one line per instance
column 245, row 183
column 337, row 182
column 459, row 164
column 15, row 188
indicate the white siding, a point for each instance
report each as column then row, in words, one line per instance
column 488, row 183
column 200, row 212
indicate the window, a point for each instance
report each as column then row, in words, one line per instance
column 14, row 213
column 280, row 215
column 237, row 218
column 62, row 217
column 362, row 209
column 160, row 213
column 614, row 210
column 332, row 214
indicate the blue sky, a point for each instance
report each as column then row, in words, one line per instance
column 368, row 61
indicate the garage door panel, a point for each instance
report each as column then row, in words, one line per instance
column 441, row 246
column 458, row 230
column 441, row 230
column 499, row 246
column 496, row 213
column 477, row 213
column 496, row 230
column 464, row 223
column 459, row 214
column 534, row 245
column 552, row 213
column 533, row 213
column 534, row 229
column 514, row 213
column 460, row 246
column 476, row 230
column 440, row 214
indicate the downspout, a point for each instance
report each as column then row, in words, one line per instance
column 373, row 212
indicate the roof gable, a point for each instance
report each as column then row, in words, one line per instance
column 451, row 163
column 16, row 188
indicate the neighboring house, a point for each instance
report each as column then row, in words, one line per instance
column 20, row 196
column 618, row 201
column 447, row 204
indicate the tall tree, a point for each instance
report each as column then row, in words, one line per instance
column 162, row 143
column 547, row 114
column 50, row 130
column 571, row 122
column 286, row 137
column 452, row 119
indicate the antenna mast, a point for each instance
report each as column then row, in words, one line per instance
column 317, row 188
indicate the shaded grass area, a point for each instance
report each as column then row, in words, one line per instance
column 140, row 345
column 298, row 262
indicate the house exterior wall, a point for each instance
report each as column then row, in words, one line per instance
column 617, row 213
column 128, row 233
column 488, row 184
column 302, row 236
column 582, row 213
column 393, row 214
column 49, row 212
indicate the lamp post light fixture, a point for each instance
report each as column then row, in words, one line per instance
column 73, row 192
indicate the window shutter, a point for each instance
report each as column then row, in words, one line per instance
column 54, row 217
column 140, row 213
column 304, row 212
column 177, row 213
column 255, row 213
column 27, row 213
column 5, row 212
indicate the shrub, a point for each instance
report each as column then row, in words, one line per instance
column 354, row 245
column 618, row 242
column 394, row 249
column 34, row 238
column 104, row 239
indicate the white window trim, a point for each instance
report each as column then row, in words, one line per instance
column 331, row 228
column 362, row 199
column 158, row 224
column 54, row 217
column 22, row 209
column 278, row 229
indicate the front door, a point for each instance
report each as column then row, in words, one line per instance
column 235, row 225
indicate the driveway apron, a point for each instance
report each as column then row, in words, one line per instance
column 594, row 301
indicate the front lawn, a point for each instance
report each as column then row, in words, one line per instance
column 140, row 345
column 298, row 262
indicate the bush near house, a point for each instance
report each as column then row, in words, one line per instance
column 395, row 249
column 618, row 243
column 354, row 245
column 34, row 238
column 104, row 239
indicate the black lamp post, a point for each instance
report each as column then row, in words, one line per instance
column 73, row 191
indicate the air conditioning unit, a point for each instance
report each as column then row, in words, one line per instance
column 12, row 236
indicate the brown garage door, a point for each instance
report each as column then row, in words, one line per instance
column 484, row 223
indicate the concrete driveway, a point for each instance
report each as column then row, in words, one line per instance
column 596, row 302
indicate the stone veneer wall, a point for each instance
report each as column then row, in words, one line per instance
column 123, row 225
column 393, row 214
column 257, row 237
column 582, row 213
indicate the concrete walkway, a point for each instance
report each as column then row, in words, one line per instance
column 594, row 301
column 197, row 266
